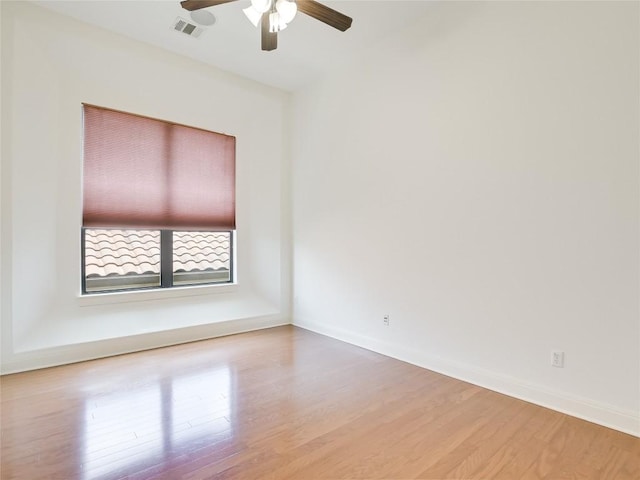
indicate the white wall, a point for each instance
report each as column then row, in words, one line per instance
column 477, row 178
column 50, row 65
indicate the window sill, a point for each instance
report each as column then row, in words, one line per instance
column 108, row 298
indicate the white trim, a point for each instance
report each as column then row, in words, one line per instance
column 125, row 296
column 627, row 421
column 67, row 354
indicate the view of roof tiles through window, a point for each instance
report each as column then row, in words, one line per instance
column 201, row 251
column 137, row 252
column 121, row 252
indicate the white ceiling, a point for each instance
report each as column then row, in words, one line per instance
column 306, row 49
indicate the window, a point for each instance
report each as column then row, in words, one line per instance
column 158, row 203
column 117, row 259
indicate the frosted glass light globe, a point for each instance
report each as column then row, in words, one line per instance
column 287, row 10
column 261, row 5
column 253, row 15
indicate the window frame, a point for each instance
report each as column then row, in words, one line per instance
column 166, row 265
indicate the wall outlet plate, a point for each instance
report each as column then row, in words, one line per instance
column 557, row 359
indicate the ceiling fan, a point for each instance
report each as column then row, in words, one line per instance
column 275, row 15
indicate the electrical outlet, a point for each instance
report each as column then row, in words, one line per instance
column 557, row 359
column 385, row 320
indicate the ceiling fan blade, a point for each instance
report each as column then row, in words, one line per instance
column 325, row 14
column 198, row 4
column 269, row 39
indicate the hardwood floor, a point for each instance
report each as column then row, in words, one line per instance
column 285, row 403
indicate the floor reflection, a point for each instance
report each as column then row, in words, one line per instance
column 145, row 425
column 201, row 405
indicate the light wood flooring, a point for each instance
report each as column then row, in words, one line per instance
column 285, row 403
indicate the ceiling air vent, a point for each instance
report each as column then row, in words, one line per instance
column 182, row 25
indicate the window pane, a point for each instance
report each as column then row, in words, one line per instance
column 121, row 259
column 201, row 257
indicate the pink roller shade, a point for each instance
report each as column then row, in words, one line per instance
column 145, row 173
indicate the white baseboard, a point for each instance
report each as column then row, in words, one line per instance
column 54, row 357
column 626, row 421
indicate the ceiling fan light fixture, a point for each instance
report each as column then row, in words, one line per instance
column 261, row 5
column 276, row 23
column 273, row 16
column 253, row 15
column 287, row 10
